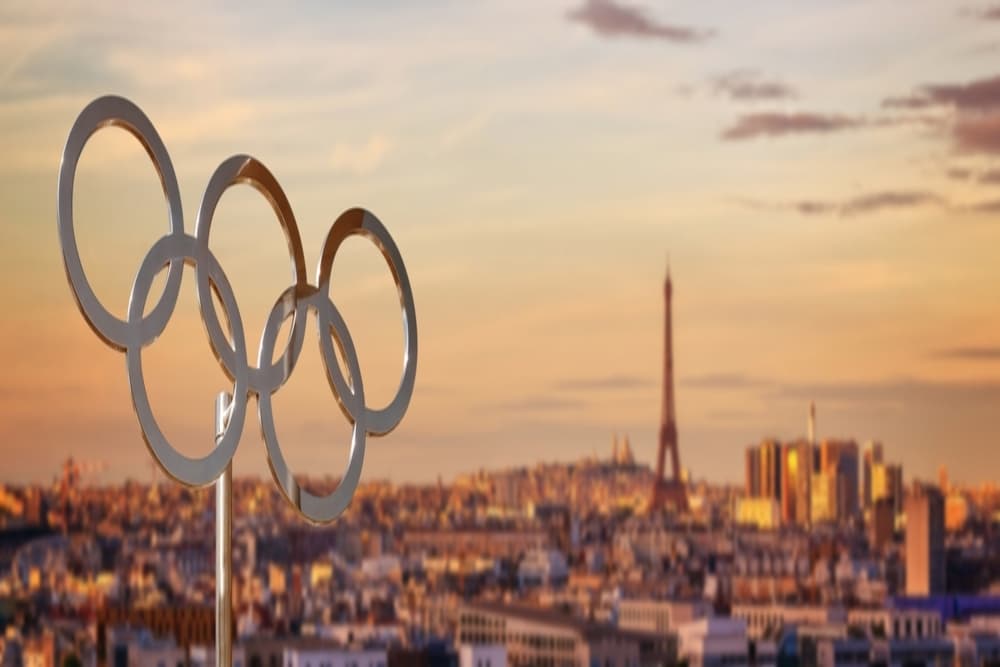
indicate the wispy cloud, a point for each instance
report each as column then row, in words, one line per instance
column 725, row 381
column 776, row 124
column 360, row 158
column 540, row 404
column 979, row 95
column 747, row 85
column 863, row 204
column 990, row 13
column 903, row 390
column 892, row 389
column 611, row 19
column 984, row 177
column 989, row 206
column 969, row 353
column 610, row 382
column 877, row 201
column 460, row 133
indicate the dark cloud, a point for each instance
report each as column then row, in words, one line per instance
column 747, row 85
column 975, row 126
column 776, row 124
column 969, row 353
column 610, row 19
column 980, row 95
column 989, row 177
column 959, row 173
column 978, row 133
column 604, row 383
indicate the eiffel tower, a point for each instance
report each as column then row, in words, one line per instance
column 668, row 493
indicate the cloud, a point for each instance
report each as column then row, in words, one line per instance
column 610, row 19
column 609, row 382
column 978, row 133
column 989, row 206
column 458, row 134
column 775, row 124
column 725, row 381
column 975, row 126
column 989, row 177
column 985, row 177
column 969, row 353
column 540, row 404
column 893, row 389
column 876, row 201
column 986, row 14
column 360, row 159
column 863, row 204
column 746, row 85
column 860, row 391
column 979, row 95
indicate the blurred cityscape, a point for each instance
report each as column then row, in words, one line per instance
column 827, row 554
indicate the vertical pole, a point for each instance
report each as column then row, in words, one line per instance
column 223, row 544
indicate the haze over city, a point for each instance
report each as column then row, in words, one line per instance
column 826, row 190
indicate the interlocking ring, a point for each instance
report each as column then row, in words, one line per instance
column 173, row 251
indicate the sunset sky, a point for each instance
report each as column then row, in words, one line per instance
column 824, row 176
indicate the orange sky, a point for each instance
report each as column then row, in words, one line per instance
column 827, row 190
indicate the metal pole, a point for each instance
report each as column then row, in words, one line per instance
column 223, row 544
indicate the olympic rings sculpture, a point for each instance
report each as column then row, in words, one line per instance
column 176, row 249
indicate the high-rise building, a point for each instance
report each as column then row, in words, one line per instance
column 872, row 456
column 925, row 556
column 796, row 470
column 811, row 430
column 770, row 469
column 668, row 492
column 823, row 497
column 752, row 471
column 882, row 524
column 763, row 470
column 887, row 482
column 943, row 483
column 840, row 458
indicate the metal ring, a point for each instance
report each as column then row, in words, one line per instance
column 364, row 223
column 178, row 248
column 245, row 169
column 118, row 112
column 318, row 509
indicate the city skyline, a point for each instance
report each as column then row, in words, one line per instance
column 826, row 193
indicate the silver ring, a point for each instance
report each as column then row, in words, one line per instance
column 177, row 248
